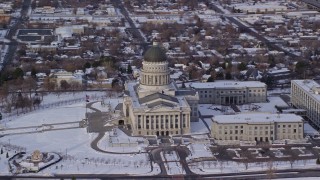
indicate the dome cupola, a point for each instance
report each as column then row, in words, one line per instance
column 155, row 54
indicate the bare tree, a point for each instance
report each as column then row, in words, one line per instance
column 270, row 170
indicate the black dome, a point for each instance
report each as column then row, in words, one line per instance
column 155, row 54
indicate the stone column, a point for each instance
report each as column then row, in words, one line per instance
column 143, row 122
column 179, row 122
column 154, row 122
column 187, row 120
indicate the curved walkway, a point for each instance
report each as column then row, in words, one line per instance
column 94, row 143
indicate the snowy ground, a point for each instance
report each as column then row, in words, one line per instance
column 81, row 158
column 309, row 130
column 199, row 151
column 67, row 113
column 174, row 168
column 211, row 167
column 73, row 144
column 129, row 144
column 54, row 100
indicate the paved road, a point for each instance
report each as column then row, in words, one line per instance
column 13, row 30
column 182, row 151
column 40, row 128
column 136, row 32
column 96, row 123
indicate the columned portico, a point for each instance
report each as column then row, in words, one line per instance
column 152, row 106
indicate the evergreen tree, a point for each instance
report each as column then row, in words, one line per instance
column 210, row 79
column 1, row 151
column 129, row 69
column 7, row 155
column 87, row 65
column 17, row 73
column 242, row 66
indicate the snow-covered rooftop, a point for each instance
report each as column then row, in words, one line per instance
column 261, row 118
column 228, row 84
column 309, row 86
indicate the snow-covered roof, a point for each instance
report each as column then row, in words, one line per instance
column 260, row 118
column 228, row 84
column 277, row 71
column 311, row 87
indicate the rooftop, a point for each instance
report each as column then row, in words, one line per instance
column 228, row 84
column 155, row 54
column 310, row 86
column 148, row 101
column 39, row 32
column 260, row 118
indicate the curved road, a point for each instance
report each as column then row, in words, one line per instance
column 94, row 143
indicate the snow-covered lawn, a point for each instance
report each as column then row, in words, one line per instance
column 67, row 113
column 120, row 142
column 234, row 167
column 54, row 100
column 75, row 143
column 104, row 104
column 199, row 151
column 72, row 144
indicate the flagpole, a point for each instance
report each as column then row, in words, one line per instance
column 86, row 107
column 86, row 111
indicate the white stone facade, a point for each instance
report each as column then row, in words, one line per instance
column 231, row 92
column 257, row 127
column 155, row 106
column 154, row 77
column 305, row 94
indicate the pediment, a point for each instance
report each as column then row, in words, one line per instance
column 161, row 108
column 153, row 98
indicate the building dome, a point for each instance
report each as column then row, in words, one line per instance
column 155, row 54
